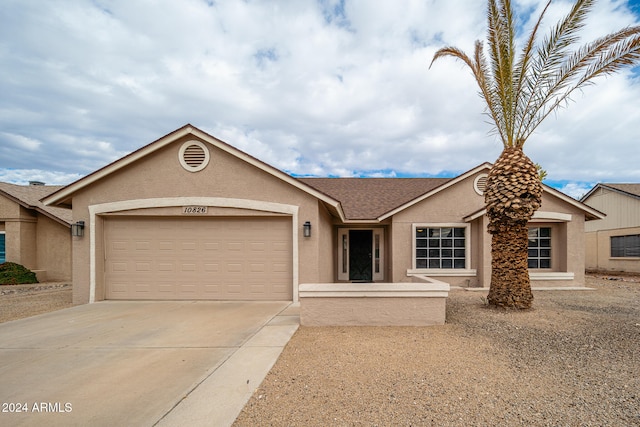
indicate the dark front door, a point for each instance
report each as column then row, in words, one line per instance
column 360, row 265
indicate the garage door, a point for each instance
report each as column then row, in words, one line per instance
column 198, row 258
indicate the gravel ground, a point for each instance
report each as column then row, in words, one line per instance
column 19, row 301
column 573, row 360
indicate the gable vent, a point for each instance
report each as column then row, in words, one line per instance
column 194, row 156
column 480, row 184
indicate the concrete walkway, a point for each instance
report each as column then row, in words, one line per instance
column 219, row 399
column 139, row 363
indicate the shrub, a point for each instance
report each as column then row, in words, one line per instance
column 16, row 274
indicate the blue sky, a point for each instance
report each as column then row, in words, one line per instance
column 316, row 88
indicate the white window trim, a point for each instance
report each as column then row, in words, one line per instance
column 542, row 216
column 551, row 275
column 466, row 271
column 443, row 272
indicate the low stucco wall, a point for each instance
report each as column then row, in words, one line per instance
column 373, row 304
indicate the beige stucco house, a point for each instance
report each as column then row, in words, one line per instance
column 613, row 243
column 35, row 235
column 191, row 217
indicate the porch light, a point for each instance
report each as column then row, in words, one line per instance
column 306, row 229
column 77, row 229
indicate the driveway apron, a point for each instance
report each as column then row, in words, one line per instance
column 139, row 363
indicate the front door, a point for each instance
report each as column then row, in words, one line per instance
column 361, row 254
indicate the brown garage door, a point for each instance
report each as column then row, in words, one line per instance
column 198, row 258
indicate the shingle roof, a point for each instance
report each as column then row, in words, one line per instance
column 29, row 196
column 369, row 198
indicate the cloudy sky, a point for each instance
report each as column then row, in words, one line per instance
column 313, row 87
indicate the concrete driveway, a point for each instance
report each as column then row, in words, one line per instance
column 139, row 363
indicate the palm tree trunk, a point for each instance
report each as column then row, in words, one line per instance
column 510, row 285
column 512, row 195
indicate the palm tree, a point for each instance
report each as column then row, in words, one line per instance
column 520, row 92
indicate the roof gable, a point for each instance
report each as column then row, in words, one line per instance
column 64, row 196
column 29, row 197
column 483, row 167
column 630, row 190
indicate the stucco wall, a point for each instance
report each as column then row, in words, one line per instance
column 28, row 246
column 481, row 247
column 36, row 241
column 598, row 248
column 53, row 249
column 20, row 234
column 160, row 175
column 325, row 233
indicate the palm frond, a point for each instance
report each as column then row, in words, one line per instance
column 520, row 95
column 491, row 96
column 604, row 56
column 522, row 73
column 501, row 34
column 548, row 57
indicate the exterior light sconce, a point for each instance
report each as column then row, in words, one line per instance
column 77, row 229
column 306, row 229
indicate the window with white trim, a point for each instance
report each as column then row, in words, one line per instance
column 625, row 246
column 439, row 247
column 539, row 253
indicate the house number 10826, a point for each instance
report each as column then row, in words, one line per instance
column 194, row 210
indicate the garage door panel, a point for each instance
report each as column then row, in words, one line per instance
column 204, row 258
column 211, row 267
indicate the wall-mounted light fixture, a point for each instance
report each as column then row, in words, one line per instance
column 77, row 229
column 306, row 229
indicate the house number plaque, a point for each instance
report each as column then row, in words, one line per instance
column 194, row 210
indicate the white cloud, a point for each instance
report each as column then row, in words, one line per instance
column 23, row 176
column 576, row 189
column 20, row 141
column 312, row 87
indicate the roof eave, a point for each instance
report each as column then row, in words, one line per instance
column 65, row 195
column 35, row 208
column 590, row 213
column 436, row 190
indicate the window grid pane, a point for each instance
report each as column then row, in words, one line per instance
column 539, row 253
column 446, row 247
column 625, row 246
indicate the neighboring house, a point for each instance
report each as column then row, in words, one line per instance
column 613, row 243
column 191, row 217
column 35, row 235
